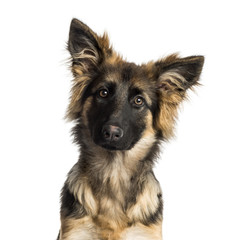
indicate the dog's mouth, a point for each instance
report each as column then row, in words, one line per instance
column 110, row 147
column 113, row 146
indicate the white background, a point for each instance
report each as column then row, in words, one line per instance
column 200, row 171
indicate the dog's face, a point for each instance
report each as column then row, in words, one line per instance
column 119, row 102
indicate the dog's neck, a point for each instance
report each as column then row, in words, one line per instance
column 117, row 167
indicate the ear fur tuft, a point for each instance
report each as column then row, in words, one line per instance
column 83, row 47
column 176, row 74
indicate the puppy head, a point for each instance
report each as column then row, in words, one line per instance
column 121, row 102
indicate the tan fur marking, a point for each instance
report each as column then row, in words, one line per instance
column 104, row 44
column 73, row 229
column 170, row 59
column 114, row 59
column 147, row 202
column 142, row 85
column 77, row 70
column 112, row 220
column 81, row 191
column 117, row 175
column 141, row 232
column 85, row 228
column 166, row 119
column 85, row 109
column 74, row 107
column 90, row 54
column 171, row 95
column 141, row 148
column 111, row 77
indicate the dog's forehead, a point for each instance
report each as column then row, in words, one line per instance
column 125, row 73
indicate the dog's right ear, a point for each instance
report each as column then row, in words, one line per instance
column 87, row 49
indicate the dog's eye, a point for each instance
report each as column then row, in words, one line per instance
column 103, row 93
column 139, row 101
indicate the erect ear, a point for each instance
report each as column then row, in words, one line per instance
column 174, row 76
column 87, row 49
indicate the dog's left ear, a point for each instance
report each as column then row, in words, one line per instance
column 174, row 76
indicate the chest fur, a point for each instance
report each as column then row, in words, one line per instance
column 118, row 199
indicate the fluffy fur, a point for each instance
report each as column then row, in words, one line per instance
column 122, row 111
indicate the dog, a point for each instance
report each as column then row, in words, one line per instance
column 121, row 112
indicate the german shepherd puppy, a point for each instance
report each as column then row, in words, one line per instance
column 122, row 111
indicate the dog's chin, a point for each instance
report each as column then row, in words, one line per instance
column 113, row 146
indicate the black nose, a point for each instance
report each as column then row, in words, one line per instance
column 112, row 133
